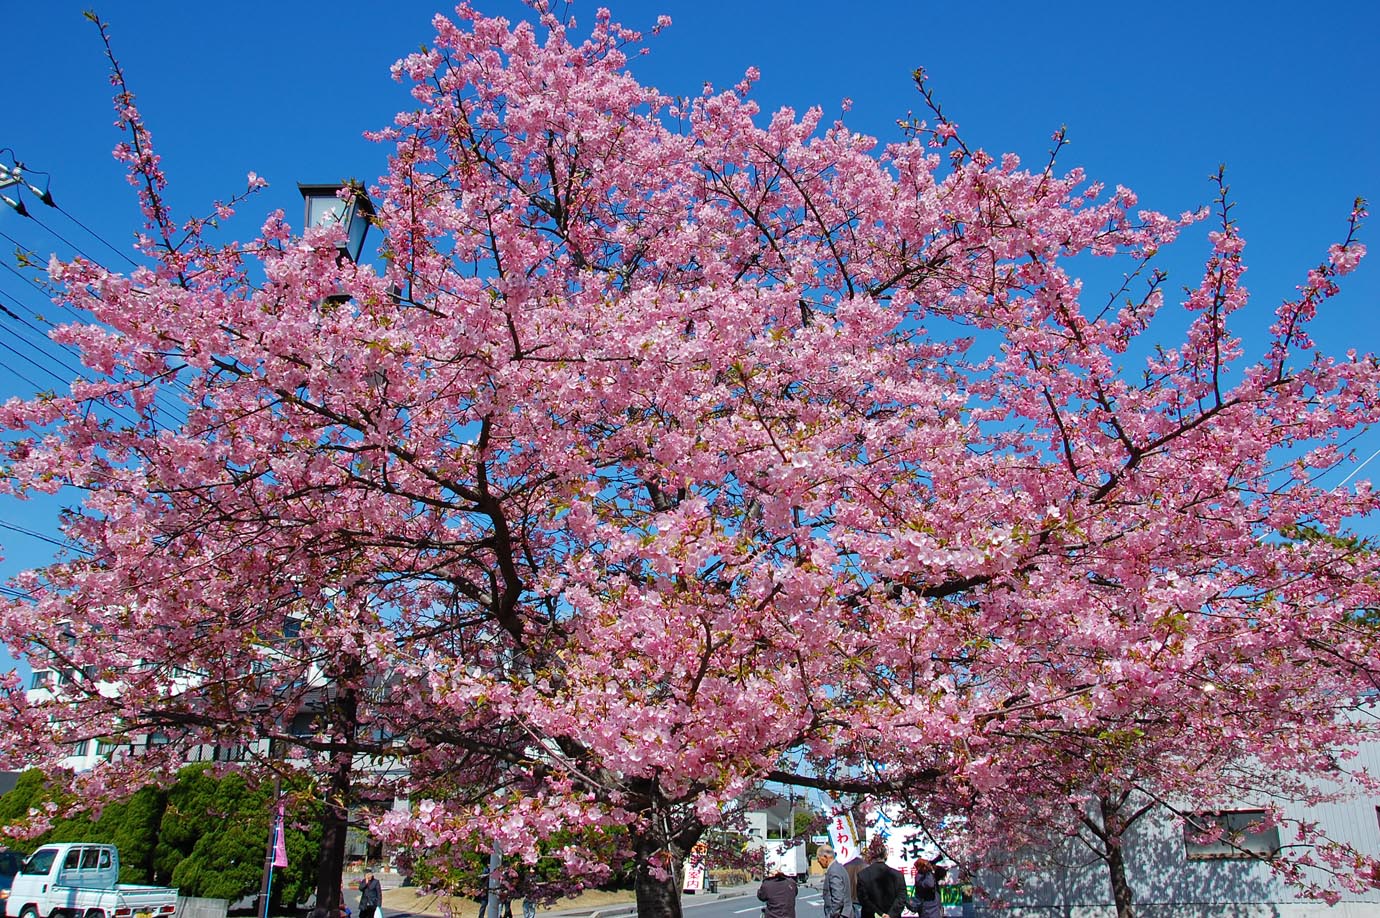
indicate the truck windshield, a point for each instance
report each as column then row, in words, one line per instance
column 40, row 862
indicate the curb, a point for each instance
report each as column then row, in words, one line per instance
column 619, row 911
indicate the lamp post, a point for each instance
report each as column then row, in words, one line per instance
column 325, row 207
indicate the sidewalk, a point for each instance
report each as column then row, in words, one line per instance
column 630, row 908
column 612, row 910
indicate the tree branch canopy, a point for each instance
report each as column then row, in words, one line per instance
column 701, row 442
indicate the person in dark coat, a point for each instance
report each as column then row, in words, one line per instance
column 779, row 892
column 855, row 867
column 926, row 901
column 881, row 888
column 370, row 895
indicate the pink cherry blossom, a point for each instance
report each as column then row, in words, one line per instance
column 676, row 448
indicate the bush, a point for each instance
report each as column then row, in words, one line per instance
column 730, row 876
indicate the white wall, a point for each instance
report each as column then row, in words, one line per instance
column 1166, row 884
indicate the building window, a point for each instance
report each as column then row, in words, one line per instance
column 230, row 752
column 1243, row 835
column 42, row 678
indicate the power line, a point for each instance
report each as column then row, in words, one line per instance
column 35, row 386
column 28, row 281
column 29, row 360
column 174, row 409
column 43, row 339
column 63, row 239
column 94, row 235
column 43, row 538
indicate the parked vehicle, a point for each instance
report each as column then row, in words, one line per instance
column 80, row 880
column 787, row 857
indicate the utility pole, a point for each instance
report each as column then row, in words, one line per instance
column 12, row 176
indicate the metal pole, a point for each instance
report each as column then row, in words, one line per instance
column 495, row 862
column 266, row 883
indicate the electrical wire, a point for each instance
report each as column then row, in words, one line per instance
column 35, row 386
column 63, row 239
column 29, row 360
column 42, row 341
column 94, row 235
column 1359, row 467
column 43, row 538
column 175, row 409
column 28, row 281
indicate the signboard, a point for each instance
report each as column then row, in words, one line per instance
column 906, row 842
column 843, row 836
column 696, row 870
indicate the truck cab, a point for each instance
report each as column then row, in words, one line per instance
column 81, row 880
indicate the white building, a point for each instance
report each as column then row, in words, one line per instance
column 1171, row 876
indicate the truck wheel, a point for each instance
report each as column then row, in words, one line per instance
column 28, row 912
column 95, row 913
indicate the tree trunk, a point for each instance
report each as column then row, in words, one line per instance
column 343, row 717
column 656, row 897
column 1115, row 828
column 1121, row 890
column 335, row 823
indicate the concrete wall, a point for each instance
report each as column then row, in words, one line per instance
column 190, row 907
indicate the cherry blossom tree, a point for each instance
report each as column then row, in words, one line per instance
column 674, row 448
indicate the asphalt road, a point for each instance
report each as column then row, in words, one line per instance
column 807, row 904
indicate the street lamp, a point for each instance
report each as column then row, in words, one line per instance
column 325, row 207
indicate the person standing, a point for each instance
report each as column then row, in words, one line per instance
column 838, row 901
column 370, row 895
column 881, row 887
column 854, row 867
column 779, row 892
column 927, row 903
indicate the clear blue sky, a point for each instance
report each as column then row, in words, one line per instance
column 1155, row 96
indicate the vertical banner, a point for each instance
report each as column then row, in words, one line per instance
column 279, row 842
column 843, row 835
column 697, row 870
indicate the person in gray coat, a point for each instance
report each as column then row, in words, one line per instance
column 836, row 893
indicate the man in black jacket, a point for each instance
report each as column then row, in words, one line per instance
column 881, row 889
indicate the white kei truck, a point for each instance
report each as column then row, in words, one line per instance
column 81, row 880
column 786, row 857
